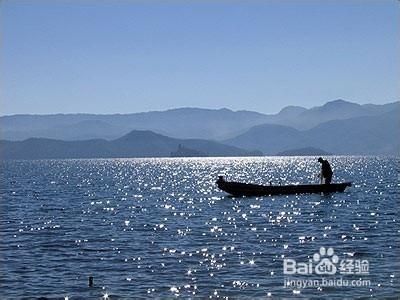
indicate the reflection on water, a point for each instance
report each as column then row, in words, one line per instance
column 160, row 227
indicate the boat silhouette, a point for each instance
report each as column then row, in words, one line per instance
column 247, row 189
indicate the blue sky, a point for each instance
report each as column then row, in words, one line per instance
column 131, row 56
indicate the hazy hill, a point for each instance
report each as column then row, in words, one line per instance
column 213, row 124
column 362, row 135
column 134, row 144
column 83, row 130
column 271, row 138
column 380, row 109
column 335, row 110
column 291, row 112
column 179, row 123
column 378, row 134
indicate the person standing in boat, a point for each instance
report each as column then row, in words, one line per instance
column 326, row 171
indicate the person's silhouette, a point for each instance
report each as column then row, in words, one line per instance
column 326, row 170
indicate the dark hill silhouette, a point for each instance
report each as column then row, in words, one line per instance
column 134, row 144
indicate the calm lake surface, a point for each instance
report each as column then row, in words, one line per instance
column 159, row 228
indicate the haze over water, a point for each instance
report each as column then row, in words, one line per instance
column 161, row 228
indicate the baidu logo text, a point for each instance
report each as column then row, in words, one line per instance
column 325, row 262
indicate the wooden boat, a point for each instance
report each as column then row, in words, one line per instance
column 245, row 189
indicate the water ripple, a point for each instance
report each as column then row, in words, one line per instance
column 160, row 227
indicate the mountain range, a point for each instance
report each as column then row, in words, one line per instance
column 338, row 127
column 137, row 143
column 361, row 135
column 182, row 123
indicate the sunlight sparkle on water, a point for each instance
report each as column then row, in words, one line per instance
column 165, row 219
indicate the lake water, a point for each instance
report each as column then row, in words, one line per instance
column 146, row 228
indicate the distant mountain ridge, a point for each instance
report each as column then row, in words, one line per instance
column 378, row 134
column 219, row 124
column 334, row 110
column 178, row 123
column 338, row 127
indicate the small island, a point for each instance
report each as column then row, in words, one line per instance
column 187, row 152
column 307, row 151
